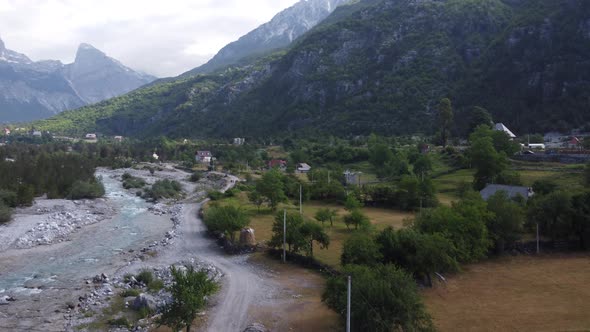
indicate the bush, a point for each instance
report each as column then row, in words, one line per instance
column 130, row 292
column 130, row 181
column 83, row 189
column 8, row 198
column 215, row 195
column 5, row 213
column 145, row 276
column 164, row 189
column 119, row 322
column 155, row 285
column 196, row 176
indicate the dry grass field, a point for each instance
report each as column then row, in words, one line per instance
column 546, row 293
column 262, row 223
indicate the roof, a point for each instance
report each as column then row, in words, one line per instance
column 303, row 166
column 512, row 191
column 574, row 141
column 502, row 127
column 204, row 153
column 277, row 162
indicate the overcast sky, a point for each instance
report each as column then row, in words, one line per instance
column 160, row 37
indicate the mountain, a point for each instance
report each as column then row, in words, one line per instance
column 283, row 29
column 380, row 66
column 35, row 90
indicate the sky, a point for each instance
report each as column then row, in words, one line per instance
column 159, row 37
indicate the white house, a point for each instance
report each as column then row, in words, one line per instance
column 502, row 127
column 239, row 141
column 203, row 156
column 303, row 168
column 90, row 137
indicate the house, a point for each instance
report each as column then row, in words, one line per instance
column 90, row 137
column 7, row 131
column 512, row 191
column 203, row 157
column 352, row 177
column 278, row 163
column 303, row 168
column 36, row 133
column 574, row 143
column 119, row 138
column 502, row 127
column 239, row 141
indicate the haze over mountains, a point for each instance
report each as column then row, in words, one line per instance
column 379, row 66
column 35, row 90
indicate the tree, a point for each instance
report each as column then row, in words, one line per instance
column 322, row 215
column 479, row 116
column 463, row 224
column 361, row 249
column 271, row 186
column 587, row 169
column 255, row 198
column 357, row 218
column 421, row 254
column 581, row 219
column 25, row 195
column 544, row 187
column 5, row 213
column 295, row 239
column 386, row 299
column 488, row 163
column 189, row 292
column 553, row 214
column 226, row 219
column 422, row 166
column 314, row 232
column 506, row 225
column 445, row 115
column 351, row 203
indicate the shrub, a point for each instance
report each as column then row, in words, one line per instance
column 8, row 197
column 196, row 176
column 119, row 322
column 130, row 292
column 84, row 189
column 215, row 195
column 130, row 181
column 155, row 285
column 164, row 189
column 145, row 276
column 5, row 213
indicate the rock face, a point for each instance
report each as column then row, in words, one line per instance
column 34, row 90
column 283, row 29
column 247, row 237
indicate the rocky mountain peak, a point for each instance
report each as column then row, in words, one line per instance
column 87, row 52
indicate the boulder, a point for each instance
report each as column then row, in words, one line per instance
column 247, row 237
column 256, row 327
column 144, row 301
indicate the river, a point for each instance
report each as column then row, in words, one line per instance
column 92, row 250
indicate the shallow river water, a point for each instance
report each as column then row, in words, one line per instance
column 92, row 250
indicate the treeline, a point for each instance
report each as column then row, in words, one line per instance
column 27, row 171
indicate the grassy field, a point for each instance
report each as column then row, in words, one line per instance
column 262, row 223
column 567, row 177
column 547, row 293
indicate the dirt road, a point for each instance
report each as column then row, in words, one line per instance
column 242, row 285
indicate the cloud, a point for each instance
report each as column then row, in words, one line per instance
column 164, row 38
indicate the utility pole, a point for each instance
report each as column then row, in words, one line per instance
column 538, row 249
column 284, row 236
column 300, row 200
column 348, row 305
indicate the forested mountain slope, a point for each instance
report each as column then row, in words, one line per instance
column 380, row 66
